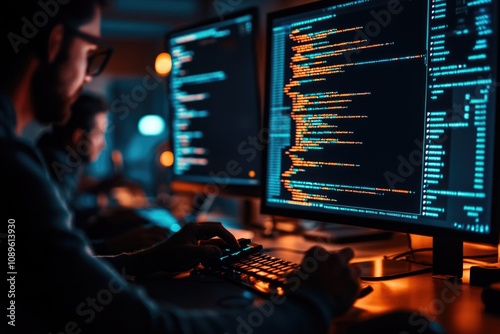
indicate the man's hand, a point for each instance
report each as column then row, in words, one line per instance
column 332, row 275
column 185, row 249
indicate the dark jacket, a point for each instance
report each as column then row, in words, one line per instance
column 56, row 272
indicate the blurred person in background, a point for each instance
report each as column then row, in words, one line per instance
column 68, row 148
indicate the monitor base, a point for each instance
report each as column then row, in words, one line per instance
column 340, row 234
column 385, row 269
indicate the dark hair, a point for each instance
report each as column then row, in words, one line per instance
column 83, row 112
column 26, row 24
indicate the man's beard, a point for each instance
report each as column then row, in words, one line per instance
column 50, row 103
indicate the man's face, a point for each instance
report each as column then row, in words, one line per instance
column 97, row 136
column 56, row 85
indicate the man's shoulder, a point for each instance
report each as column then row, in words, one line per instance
column 26, row 185
column 19, row 154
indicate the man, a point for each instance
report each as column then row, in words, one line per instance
column 67, row 149
column 71, row 146
column 60, row 286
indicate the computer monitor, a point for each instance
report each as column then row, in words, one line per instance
column 215, row 107
column 382, row 114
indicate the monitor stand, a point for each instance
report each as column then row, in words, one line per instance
column 385, row 269
column 447, row 257
column 340, row 234
column 375, row 270
column 447, row 263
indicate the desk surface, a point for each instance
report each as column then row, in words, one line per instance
column 455, row 305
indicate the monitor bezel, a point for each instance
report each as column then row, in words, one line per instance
column 374, row 223
column 186, row 185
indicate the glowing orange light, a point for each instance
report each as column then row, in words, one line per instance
column 167, row 159
column 251, row 173
column 163, row 63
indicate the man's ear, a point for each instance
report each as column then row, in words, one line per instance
column 77, row 136
column 55, row 42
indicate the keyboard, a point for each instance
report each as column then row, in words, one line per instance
column 254, row 269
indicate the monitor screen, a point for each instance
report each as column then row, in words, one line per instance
column 382, row 114
column 215, row 108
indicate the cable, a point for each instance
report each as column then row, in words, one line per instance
column 413, row 251
column 410, row 252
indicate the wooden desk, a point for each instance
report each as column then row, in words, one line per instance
column 456, row 306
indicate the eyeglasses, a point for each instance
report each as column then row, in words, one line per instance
column 98, row 59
